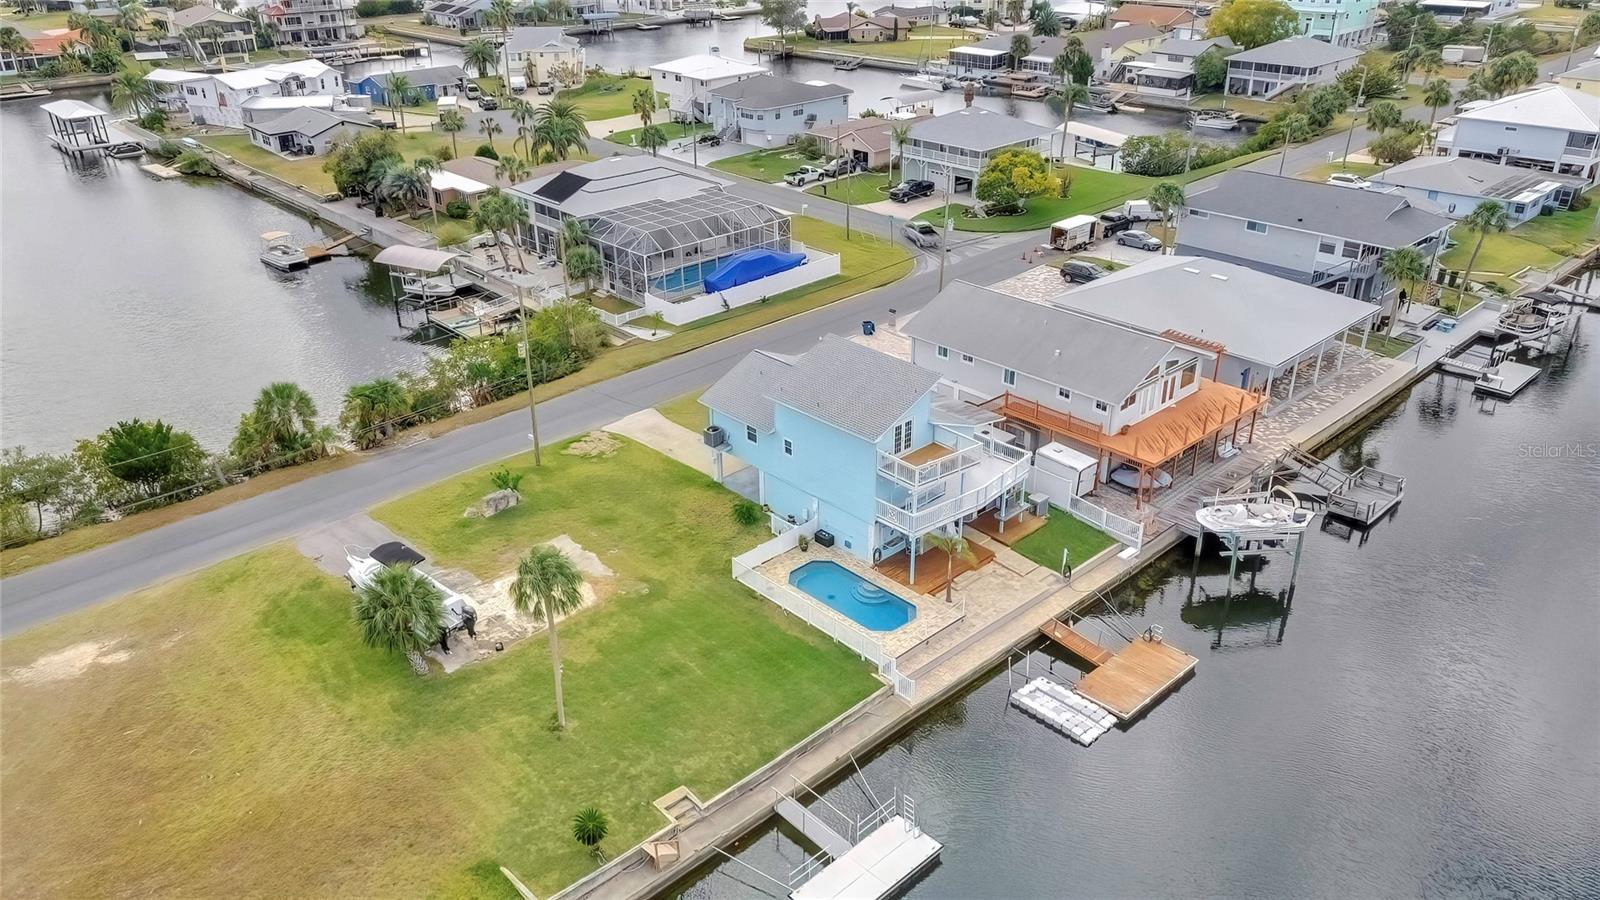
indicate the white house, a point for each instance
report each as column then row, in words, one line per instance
column 1303, row 62
column 221, row 98
column 768, row 111
column 961, row 143
column 313, row 21
column 550, row 50
column 306, row 132
column 1453, row 186
column 1452, row 11
column 686, row 82
column 1549, row 127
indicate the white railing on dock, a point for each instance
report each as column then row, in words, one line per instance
column 1125, row 530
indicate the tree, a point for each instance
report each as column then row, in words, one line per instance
column 644, row 105
column 574, row 234
column 1046, row 23
column 560, row 127
column 1384, row 116
column 1395, row 146
column 372, row 411
column 1253, row 23
column 12, row 42
column 1324, row 104
column 499, row 213
column 514, row 169
column 1295, row 127
column 151, row 456
column 1211, row 70
column 1435, row 94
column 280, row 427
column 452, row 122
column 953, row 546
column 489, row 128
column 548, row 587
column 589, row 828
column 502, row 14
column 404, row 186
column 899, row 134
column 1013, row 176
column 1589, row 27
column 1069, row 93
column 352, row 163
column 583, row 265
column 652, row 138
column 399, row 91
column 131, row 90
column 479, row 54
column 1167, row 199
column 39, row 480
column 1508, row 73
column 783, row 16
column 1488, row 216
column 1404, row 266
column 1365, row 82
column 400, row 610
column 193, row 162
column 1021, row 46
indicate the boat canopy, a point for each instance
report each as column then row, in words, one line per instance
column 273, row 237
column 395, row 553
column 751, row 265
column 414, row 259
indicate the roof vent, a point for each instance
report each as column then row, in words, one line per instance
column 1191, row 270
column 1219, row 277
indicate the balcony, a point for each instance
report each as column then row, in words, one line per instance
column 1355, row 269
column 977, row 474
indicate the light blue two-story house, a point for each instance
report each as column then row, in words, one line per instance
column 860, row 442
column 768, row 111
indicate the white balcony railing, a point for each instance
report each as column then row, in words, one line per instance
column 915, row 476
column 921, row 521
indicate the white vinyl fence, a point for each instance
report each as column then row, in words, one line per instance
column 1125, row 530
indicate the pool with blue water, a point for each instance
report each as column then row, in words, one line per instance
column 687, row 277
column 868, row 605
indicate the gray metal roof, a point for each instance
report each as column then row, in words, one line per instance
column 1256, row 317
column 976, row 128
column 742, row 393
column 434, row 75
column 772, row 92
column 1469, row 177
column 1062, row 347
column 1382, row 220
column 1188, row 48
column 1305, row 52
column 308, row 121
column 531, row 37
column 852, row 387
column 616, row 182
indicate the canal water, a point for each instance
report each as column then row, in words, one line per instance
column 123, row 296
column 1423, row 721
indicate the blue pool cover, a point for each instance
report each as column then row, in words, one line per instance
column 750, row 265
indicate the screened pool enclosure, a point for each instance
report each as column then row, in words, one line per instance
column 667, row 248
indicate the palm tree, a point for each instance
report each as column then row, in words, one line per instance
column 528, row 140
column 283, row 421
column 480, row 54
column 574, row 234
column 1295, row 127
column 1384, row 115
column 589, row 828
column 131, row 14
column 644, row 105
column 13, row 43
column 1167, row 199
column 1020, row 46
column 1435, row 94
column 1070, row 91
column 583, row 265
column 652, row 138
column 400, row 610
column 130, row 89
column 1404, row 266
column 489, row 128
column 502, row 15
column 547, row 587
column 522, row 113
column 406, row 185
column 513, row 169
column 372, row 410
column 1430, row 63
column 1485, row 217
column 561, row 128
column 1046, row 23
column 953, row 546
column 452, row 121
column 398, row 92
column 900, row 134
column 499, row 213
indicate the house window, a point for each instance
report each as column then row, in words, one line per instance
column 1100, row 406
column 1351, row 251
column 1130, row 400
column 1009, row 376
column 902, row 437
column 1188, row 375
column 1433, row 195
column 966, row 358
column 1520, row 208
column 1063, row 393
column 788, row 447
column 750, row 433
column 1257, row 227
column 1328, row 247
column 944, row 352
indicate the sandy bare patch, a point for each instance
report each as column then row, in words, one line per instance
column 592, row 445
column 69, row 663
column 587, row 562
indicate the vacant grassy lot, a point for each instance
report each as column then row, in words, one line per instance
column 1542, row 242
column 605, row 96
column 229, row 729
column 867, row 187
column 1081, row 540
column 1321, row 173
column 764, row 165
column 674, row 131
column 307, row 171
column 926, row 42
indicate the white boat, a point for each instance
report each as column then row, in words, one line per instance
column 280, row 252
column 927, row 81
column 1527, row 320
column 1254, row 515
column 362, row 565
column 648, row 27
column 1219, row 119
column 1128, row 477
column 433, row 287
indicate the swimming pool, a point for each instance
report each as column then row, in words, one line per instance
column 870, row 606
column 687, row 277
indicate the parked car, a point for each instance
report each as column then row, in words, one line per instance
column 488, row 104
column 545, row 88
column 710, row 139
column 1140, row 211
column 1139, row 240
column 911, row 190
column 803, row 175
column 1114, row 223
column 473, row 92
column 1349, row 180
column 838, row 168
column 1076, row 271
column 922, row 234
column 974, row 22
column 518, row 83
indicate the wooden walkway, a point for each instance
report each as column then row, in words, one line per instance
column 1136, row 676
column 931, row 568
column 1061, row 633
column 1018, row 526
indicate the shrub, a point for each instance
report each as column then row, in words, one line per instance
column 458, row 209
column 747, row 512
column 154, row 120
column 589, row 828
column 193, row 162
column 486, row 151
column 504, row 479
column 168, row 149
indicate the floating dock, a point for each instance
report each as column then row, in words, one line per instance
column 1072, row 714
column 1505, row 380
column 876, row 867
column 1128, row 681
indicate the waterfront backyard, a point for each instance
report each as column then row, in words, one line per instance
column 228, row 728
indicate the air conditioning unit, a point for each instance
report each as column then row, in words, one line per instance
column 715, row 436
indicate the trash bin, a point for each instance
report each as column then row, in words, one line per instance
column 868, row 327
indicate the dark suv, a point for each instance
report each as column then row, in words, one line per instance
column 1076, row 270
column 1113, row 223
column 911, row 190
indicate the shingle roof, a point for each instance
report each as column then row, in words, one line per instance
column 194, row 15
column 1145, row 14
column 1383, row 220
column 742, row 393
column 907, row 12
column 976, row 128
column 1300, row 51
column 534, row 37
column 306, row 121
column 875, row 134
column 1062, row 347
column 852, row 387
column 434, row 75
column 1548, row 105
column 1184, row 47
column 770, row 92
column 1255, row 316
column 1469, row 177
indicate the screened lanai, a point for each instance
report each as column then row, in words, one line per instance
column 667, row 248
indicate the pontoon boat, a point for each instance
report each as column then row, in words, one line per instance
column 281, row 252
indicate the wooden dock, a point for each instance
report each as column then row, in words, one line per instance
column 1136, row 677
column 1062, row 633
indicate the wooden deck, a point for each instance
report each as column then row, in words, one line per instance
column 1018, row 526
column 931, row 568
column 1136, row 676
column 925, row 454
column 1061, row 633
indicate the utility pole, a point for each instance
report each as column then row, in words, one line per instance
column 1572, row 48
column 944, row 241
column 1361, row 97
column 527, row 358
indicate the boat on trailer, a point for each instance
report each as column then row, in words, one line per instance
column 647, row 27
column 1218, row 119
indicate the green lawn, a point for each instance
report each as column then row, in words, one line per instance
column 686, row 410
column 673, row 130
column 1382, row 344
column 924, row 43
column 1063, row 529
column 1543, row 242
column 1550, row 14
column 605, row 96
column 866, row 187
column 307, row 171
column 238, row 732
column 764, row 165
column 449, row 232
column 1321, row 173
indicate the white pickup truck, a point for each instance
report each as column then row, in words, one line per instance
column 804, row 175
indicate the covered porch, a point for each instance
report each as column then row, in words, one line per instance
column 932, row 569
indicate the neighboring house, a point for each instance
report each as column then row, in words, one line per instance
column 551, row 51
column 860, row 29
column 461, row 15
column 1297, row 62
column 916, row 15
column 306, row 132
column 870, row 142
column 1549, row 127
column 428, row 84
column 221, row 97
column 212, row 30
column 1585, row 78
column 1453, row 11
column 768, row 111
column 1108, row 47
column 655, row 7
column 1260, row 327
column 310, row 22
column 1120, row 395
column 47, row 46
column 468, row 179
column 961, row 143
column 1343, row 23
column 1329, row 237
column 1168, row 70
column 169, row 83
column 265, row 108
column 1176, row 21
column 1452, row 187
column 686, row 82
column 851, row 440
